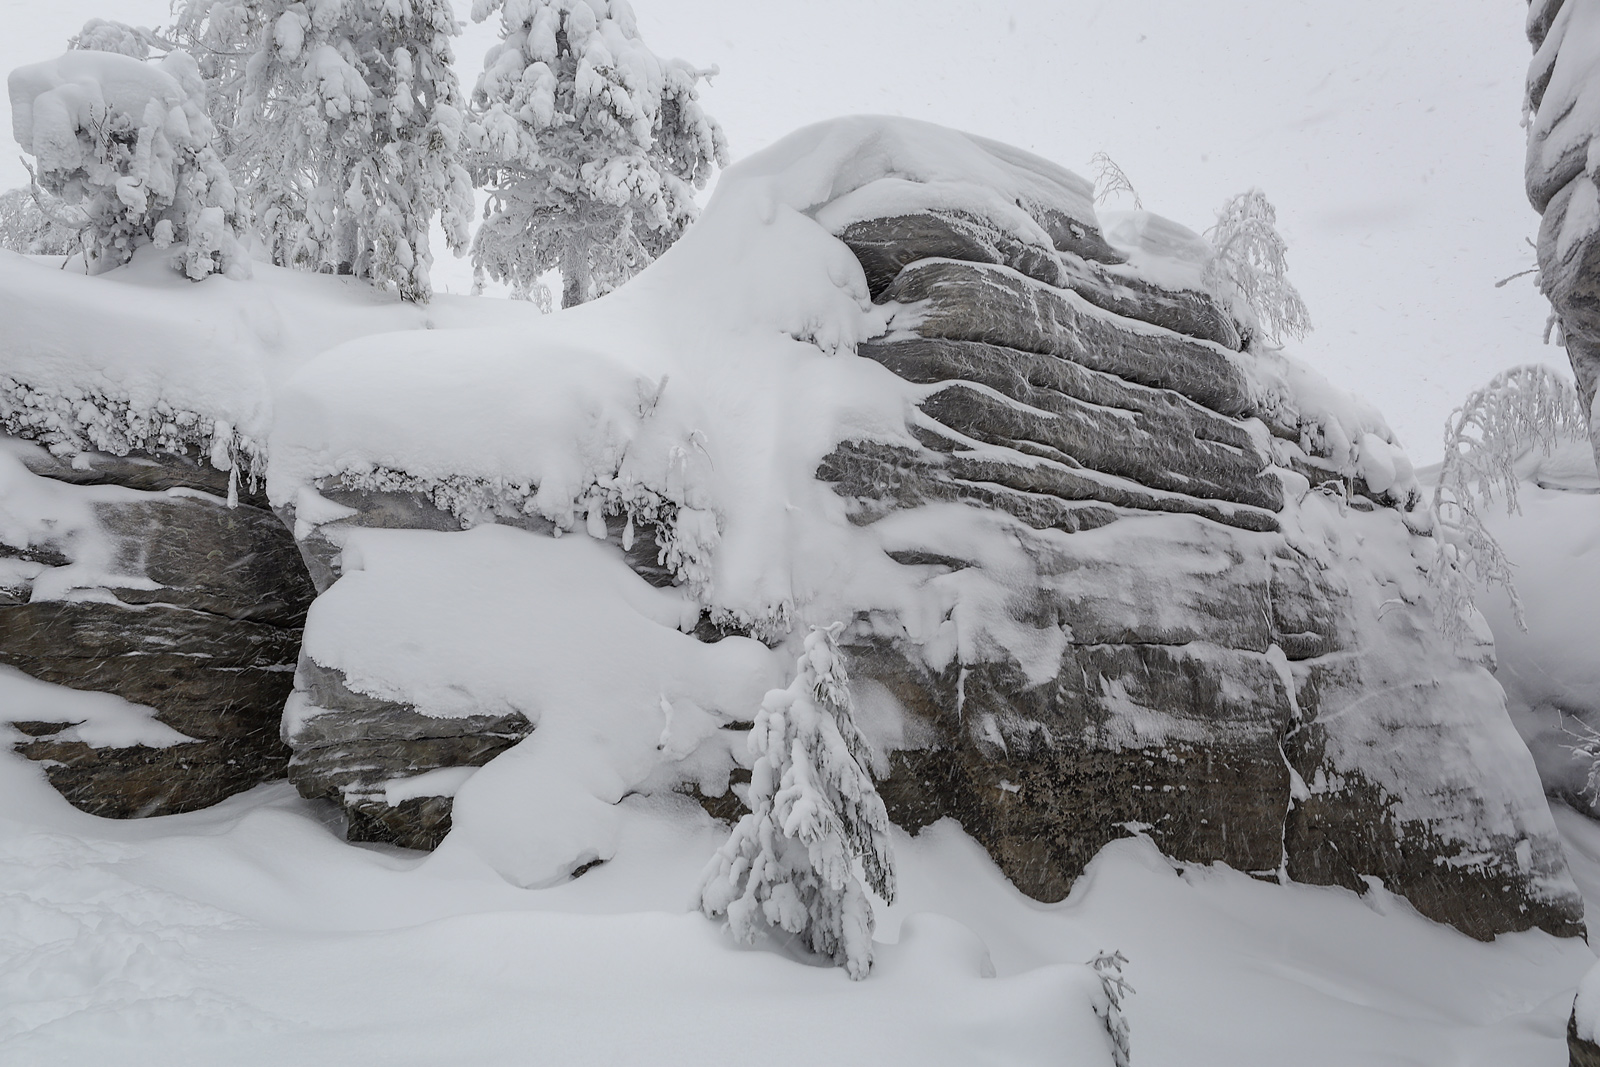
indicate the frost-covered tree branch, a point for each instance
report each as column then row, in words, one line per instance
column 814, row 814
column 33, row 223
column 1250, row 263
column 1519, row 410
column 1110, row 180
column 1114, row 989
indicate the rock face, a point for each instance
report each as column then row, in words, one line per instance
column 1220, row 656
column 1108, row 565
column 1562, row 95
column 132, row 575
column 355, row 749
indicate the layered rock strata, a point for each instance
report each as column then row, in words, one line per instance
column 1110, row 564
column 1207, row 620
column 1561, row 174
column 134, row 575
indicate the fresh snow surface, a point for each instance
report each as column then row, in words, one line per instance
column 251, row 934
column 1550, row 671
column 1388, row 137
column 181, row 357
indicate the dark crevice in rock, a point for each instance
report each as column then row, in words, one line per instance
column 146, row 471
column 878, row 478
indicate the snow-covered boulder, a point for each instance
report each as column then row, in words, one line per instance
column 1105, row 567
column 1562, row 171
column 131, row 575
column 135, row 558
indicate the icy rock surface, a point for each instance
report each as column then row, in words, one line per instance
column 131, row 575
column 1106, row 569
column 1562, row 171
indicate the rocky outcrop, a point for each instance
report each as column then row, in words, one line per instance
column 351, row 748
column 1198, row 653
column 133, row 575
column 1108, row 564
column 1561, row 177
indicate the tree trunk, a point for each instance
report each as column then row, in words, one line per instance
column 574, row 277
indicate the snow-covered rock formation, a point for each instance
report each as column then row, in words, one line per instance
column 134, row 575
column 1563, row 105
column 1105, row 565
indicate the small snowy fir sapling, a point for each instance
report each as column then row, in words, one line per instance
column 126, row 146
column 345, row 132
column 1519, row 410
column 1111, row 180
column 1108, row 1006
column 1250, row 262
column 590, row 146
column 813, row 813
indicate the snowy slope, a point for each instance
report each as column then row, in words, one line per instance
column 250, row 934
column 1387, row 134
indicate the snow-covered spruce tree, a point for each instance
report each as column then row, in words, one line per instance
column 347, row 129
column 128, row 144
column 1519, row 410
column 1250, row 262
column 813, row 812
column 590, row 146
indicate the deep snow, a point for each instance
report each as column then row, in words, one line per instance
column 1388, row 135
column 251, row 934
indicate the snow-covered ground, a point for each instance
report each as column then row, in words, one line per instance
column 251, row 934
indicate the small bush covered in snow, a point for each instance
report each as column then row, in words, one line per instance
column 813, row 813
column 1251, row 264
column 591, row 147
column 129, row 144
column 347, row 129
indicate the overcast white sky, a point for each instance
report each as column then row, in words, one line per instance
column 1387, row 133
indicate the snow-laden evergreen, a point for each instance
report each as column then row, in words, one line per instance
column 348, row 129
column 128, row 144
column 590, row 145
column 813, row 812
